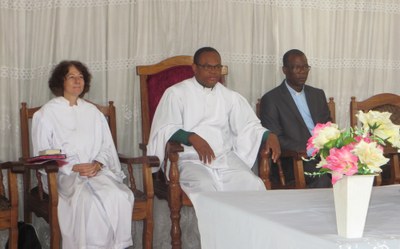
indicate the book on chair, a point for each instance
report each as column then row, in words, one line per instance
column 49, row 152
column 47, row 155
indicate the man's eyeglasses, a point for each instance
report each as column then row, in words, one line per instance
column 299, row 68
column 209, row 68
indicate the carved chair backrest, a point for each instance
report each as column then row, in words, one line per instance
column 381, row 102
column 26, row 115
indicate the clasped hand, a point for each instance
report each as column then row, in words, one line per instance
column 87, row 169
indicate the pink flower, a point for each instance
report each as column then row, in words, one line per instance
column 311, row 147
column 366, row 139
column 341, row 162
column 322, row 133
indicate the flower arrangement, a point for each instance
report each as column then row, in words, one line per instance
column 353, row 151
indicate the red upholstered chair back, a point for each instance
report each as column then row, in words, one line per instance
column 156, row 78
column 159, row 82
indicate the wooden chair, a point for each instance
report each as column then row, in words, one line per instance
column 9, row 204
column 45, row 205
column 154, row 80
column 296, row 156
column 381, row 102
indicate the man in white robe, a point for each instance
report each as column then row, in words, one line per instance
column 93, row 212
column 220, row 132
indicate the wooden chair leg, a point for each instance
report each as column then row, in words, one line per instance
column 395, row 168
column 175, row 226
column 299, row 173
column 13, row 231
column 264, row 168
column 27, row 186
column 13, row 238
column 378, row 180
column 175, row 201
column 148, row 233
column 55, row 233
column 281, row 174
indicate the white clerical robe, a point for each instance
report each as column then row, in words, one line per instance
column 220, row 116
column 93, row 212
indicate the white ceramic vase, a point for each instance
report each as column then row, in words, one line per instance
column 352, row 195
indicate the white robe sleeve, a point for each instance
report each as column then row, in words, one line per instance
column 246, row 129
column 42, row 139
column 167, row 120
column 108, row 155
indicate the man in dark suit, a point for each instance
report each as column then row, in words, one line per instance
column 291, row 111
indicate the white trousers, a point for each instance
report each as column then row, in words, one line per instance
column 196, row 177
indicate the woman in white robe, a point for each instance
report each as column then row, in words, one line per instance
column 95, row 207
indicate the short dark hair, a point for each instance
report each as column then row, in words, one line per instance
column 288, row 54
column 200, row 51
column 56, row 81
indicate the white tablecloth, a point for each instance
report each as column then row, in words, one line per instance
column 280, row 219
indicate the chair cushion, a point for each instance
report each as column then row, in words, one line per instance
column 158, row 83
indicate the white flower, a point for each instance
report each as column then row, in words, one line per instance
column 385, row 129
column 373, row 117
column 326, row 134
column 370, row 154
column 391, row 132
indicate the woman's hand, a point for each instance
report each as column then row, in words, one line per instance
column 87, row 169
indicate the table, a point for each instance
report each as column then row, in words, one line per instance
column 283, row 219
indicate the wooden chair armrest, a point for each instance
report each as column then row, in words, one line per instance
column 297, row 155
column 145, row 162
column 163, row 184
column 49, row 167
column 21, row 166
column 173, row 147
column 153, row 161
column 13, row 165
column 171, row 154
column 264, row 167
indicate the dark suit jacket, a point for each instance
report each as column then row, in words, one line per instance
column 279, row 114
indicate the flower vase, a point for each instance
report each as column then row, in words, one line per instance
column 352, row 195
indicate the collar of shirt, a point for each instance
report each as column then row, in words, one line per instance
column 65, row 101
column 201, row 87
column 292, row 91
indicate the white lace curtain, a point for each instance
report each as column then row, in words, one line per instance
column 350, row 44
